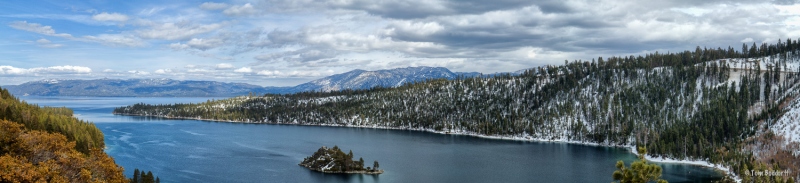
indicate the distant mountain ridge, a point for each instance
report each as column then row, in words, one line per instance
column 132, row 88
column 361, row 79
column 355, row 79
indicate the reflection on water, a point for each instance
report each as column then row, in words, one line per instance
column 200, row 151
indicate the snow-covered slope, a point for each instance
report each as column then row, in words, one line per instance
column 788, row 126
column 361, row 79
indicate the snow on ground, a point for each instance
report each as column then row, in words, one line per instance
column 725, row 169
column 788, row 125
column 763, row 63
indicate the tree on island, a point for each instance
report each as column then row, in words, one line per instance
column 333, row 160
column 375, row 165
column 639, row 172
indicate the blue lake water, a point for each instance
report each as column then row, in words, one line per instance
column 199, row 151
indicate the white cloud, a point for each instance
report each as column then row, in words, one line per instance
column 246, row 9
column 244, row 70
column 747, row 40
column 116, row 40
column 37, row 28
column 213, row 6
column 179, row 31
column 296, row 73
column 5, row 69
column 197, row 70
column 105, row 39
column 115, row 17
column 204, row 44
column 163, row 71
column 44, row 43
column 269, row 73
column 65, row 69
column 137, row 72
column 224, row 66
column 178, row 46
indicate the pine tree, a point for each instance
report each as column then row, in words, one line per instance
column 149, row 178
column 135, row 176
column 639, row 172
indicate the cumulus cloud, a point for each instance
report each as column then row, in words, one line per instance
column 163, row 71
column 224, row 66
column 177, row 31
column 116, row 40
column 469, row 35
column 269, row 72
column 65, row 69
column 138, row 72
column 114, row 17
column 196, row 70
column 37, row 28
column 213, row 6
column 295, row 73
column 299, row 56
column 246, row 9
column 178, row 46
column 204, row 44
column 244, row 70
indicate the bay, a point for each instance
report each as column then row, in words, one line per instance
column 201, row 151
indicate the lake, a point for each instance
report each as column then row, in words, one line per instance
column 200, row 151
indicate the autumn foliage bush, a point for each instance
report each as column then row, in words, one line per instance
column 36, row 156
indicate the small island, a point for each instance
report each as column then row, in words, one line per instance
column 333, row 160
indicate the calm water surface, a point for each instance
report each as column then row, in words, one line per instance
column 198, row 151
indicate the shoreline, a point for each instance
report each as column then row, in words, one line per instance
column 364, row 172
column 525, row 138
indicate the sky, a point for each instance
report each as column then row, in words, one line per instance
column 285, row 43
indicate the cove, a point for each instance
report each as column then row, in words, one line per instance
column 200, row 151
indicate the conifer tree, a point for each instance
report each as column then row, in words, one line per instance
column 135, row 176
column 639, row 172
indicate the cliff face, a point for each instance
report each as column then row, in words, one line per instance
column 333, row 160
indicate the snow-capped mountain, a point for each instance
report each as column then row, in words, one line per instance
column 355, row 79
column 132, row 88
column 361, row 79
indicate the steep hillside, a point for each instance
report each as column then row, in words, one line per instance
column 699, row 105
column 49, row 145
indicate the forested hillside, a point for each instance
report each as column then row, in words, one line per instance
column 699, row 105
column 49, row 145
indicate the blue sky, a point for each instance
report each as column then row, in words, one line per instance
column 281, row 43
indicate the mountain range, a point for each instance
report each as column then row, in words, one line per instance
column 355, row 79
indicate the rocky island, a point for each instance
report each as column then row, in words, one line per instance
column 333, row 160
